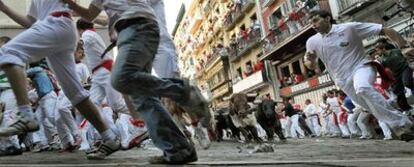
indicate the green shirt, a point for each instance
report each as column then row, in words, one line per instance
column 4, row 83
column 395, row 61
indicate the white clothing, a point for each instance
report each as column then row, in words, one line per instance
column 9, row 115
column 40, row 9
column 295, row 128
column 83, row 72
column 65, row 122
column 94, row 46
column 124, row 9
column 343, row 53
column 334, row 104
column 165, row 62
column 341, row 50
column 43, row 39
column 311, row 112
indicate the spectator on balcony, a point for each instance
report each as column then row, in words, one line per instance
column 283, row 27
column 249, row 70
column 254, row 25
column 288, row 81
column 298, row 78
column 258, row 66
column 295, row 16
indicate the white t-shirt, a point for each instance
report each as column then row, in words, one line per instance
column 311, row 109
column 334, row 104
column 124, row 9
column 94, row 47
column 83, row 72
column 40, row 9
column 341, row 50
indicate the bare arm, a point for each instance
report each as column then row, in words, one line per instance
column 25, row 21
column 311, row 61
column 89, row 13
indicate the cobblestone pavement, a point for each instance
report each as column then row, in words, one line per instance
column 296, row 153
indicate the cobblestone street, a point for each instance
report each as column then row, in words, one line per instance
column 306, row 152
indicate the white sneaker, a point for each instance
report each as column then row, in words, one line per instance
column 22, row 125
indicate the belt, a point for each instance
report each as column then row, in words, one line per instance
column 122, row 24
column 61, row 14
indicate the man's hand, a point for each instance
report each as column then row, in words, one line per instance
column 310, row 60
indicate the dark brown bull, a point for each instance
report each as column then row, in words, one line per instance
column 243, row 117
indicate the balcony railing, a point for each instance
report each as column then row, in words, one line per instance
column 352, row 6
column 245, row 44
column 216, row 54
column 279, row 35
column 236, row 14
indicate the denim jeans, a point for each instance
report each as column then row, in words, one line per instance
column 131, row 75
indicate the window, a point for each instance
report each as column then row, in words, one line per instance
column 239, row 72
column 274, row 18
column 296, row 67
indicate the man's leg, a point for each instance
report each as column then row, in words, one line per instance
column 25, row 123
column 369, row 98
column 137, row 46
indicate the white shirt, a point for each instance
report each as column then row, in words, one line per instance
column 341, row 50
column 94, row 46
column 124, row 9
column 40, row 9
column 311, row 109
column 334, row 104
column 83, row 72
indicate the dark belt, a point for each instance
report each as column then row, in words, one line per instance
column 122, row 24
column 61, row 14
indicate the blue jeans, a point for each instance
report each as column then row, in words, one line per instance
column 131, row 75
column 405, row 79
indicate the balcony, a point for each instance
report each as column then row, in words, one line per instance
column 214, row 58
column 349, row 7
column 237, row 14
column 254, row 80
column 289, row 34
column 245, row 44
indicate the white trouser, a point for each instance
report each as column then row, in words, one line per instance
column 285, row 126
column 342, row 126
column 46, row 113
column 165, row 63
column 9, row 115
column 363, row 124
column 123, row 127
column 332, row 127
column 101, row 88
column 352, row 118
column 295, row 128
column 44, row 39
column 65, row 122
column 360, row 88
column 385, row 129
column 314, row 125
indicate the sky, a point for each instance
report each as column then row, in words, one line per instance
column 172, row 7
